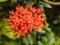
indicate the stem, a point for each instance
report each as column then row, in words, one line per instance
column 52, row 3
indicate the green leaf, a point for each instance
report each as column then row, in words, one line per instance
column 51, row 42
column 40, row 43
column 45, row 41
column 20, row 41
column 48, row 5
column 46, row 24
column 43, row 31
column 41, row 7
column 30, row 2
column 30, row 39
column 4, row 42
column 26, row 41
column 48, row 29
column 7, row 32
column 57, row 42
column 13, row 1
column 45, row 4
column 50, row 37
column 33, row 35
column 3, row 0
column 2, row 23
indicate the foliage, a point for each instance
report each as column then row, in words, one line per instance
column 46, row 37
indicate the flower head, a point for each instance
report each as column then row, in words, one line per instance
column 25, row 19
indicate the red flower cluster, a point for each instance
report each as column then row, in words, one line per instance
column 26, row 19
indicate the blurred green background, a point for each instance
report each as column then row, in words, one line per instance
column 52, row 13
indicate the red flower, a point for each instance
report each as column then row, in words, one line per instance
column 24, row 19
